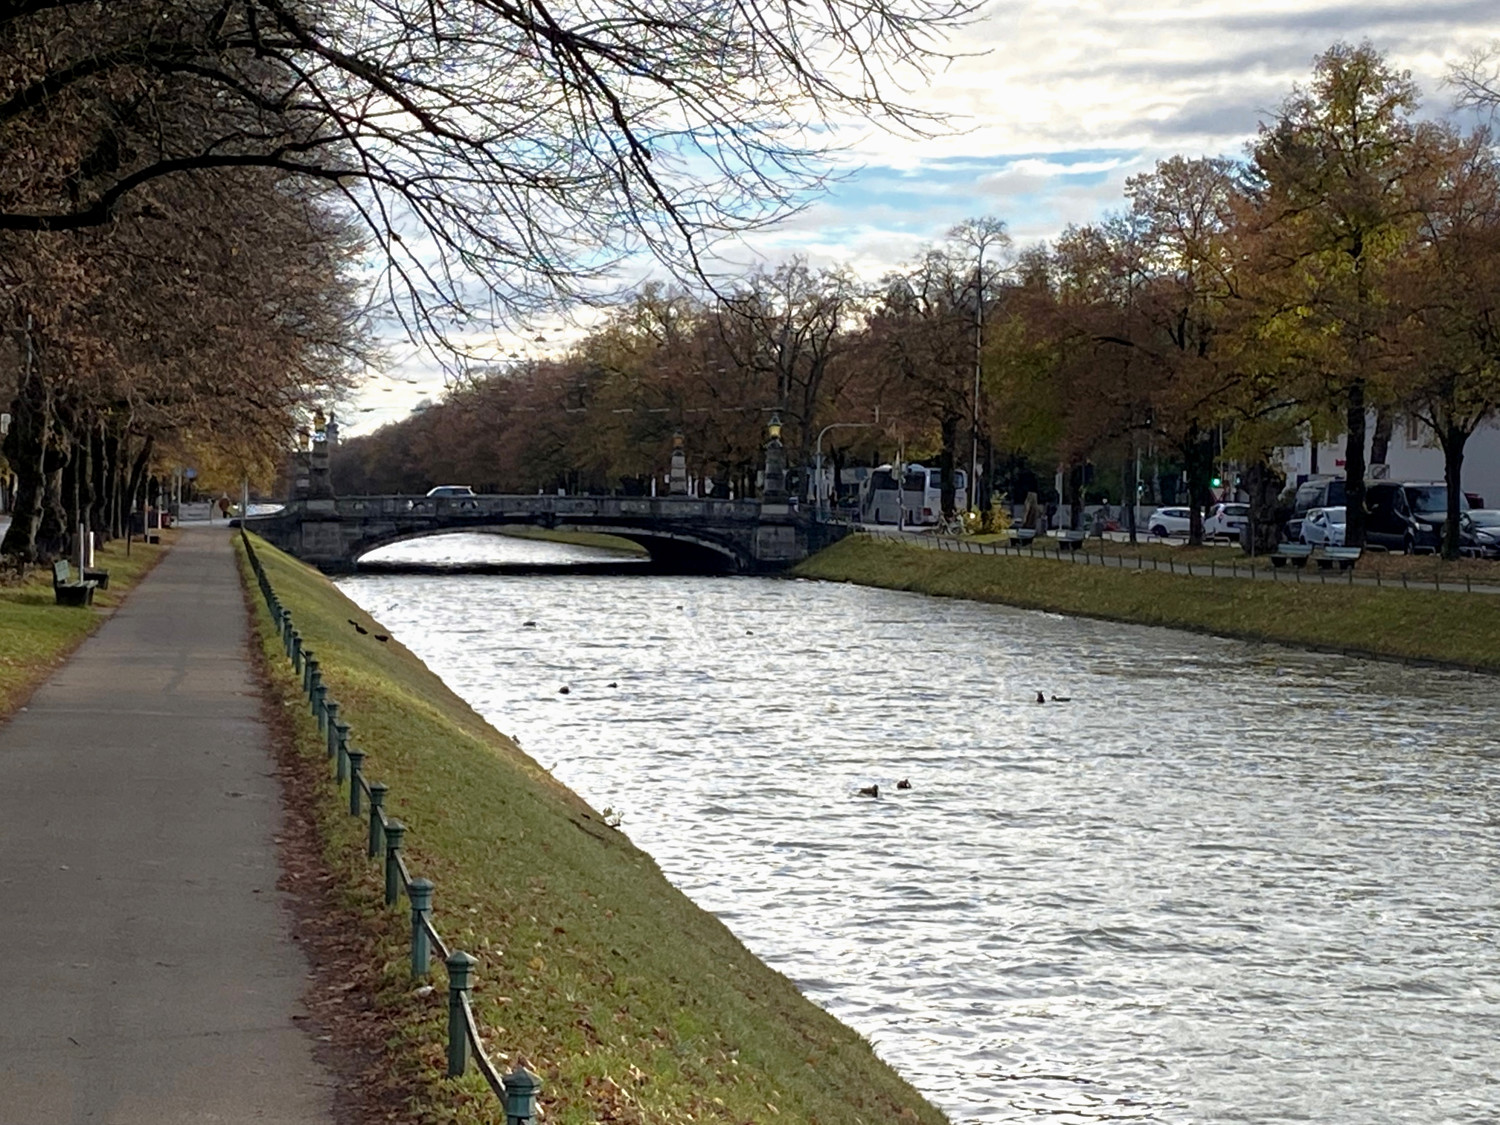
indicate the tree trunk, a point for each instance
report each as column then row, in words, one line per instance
column 1263, row 484
column 1198, row 460
column 945, row 461
column 1380, row 439
column 99, row 494
column 1354, row 466
column 25, row 448
column 1453, row 439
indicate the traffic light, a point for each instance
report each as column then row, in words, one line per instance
column 1217, row 482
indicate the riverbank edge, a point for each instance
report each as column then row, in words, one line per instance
column 1411, row 627
column 631, row 1002
column 43, row 635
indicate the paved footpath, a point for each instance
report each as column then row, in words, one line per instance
column 150, row 975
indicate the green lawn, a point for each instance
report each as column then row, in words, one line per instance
column 633, row 1004
column 36, row 634
column 1450, row 628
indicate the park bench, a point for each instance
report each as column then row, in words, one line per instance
column 1021, row 536
column 68, row 591
column 1295, row 553
column 1069, row 540
column 1342, row 557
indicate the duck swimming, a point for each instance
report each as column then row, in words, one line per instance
column 1040, row 698
column 870, row 791
column 903, row 784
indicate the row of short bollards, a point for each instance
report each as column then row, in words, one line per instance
column 518, row 1090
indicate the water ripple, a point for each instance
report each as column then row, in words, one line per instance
column 1225, row 883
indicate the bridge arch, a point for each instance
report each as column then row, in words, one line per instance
column 672, row 552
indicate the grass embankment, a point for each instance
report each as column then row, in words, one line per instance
column 37, row 634
column 633, row 1004
column 1449, row 628
column 1391, row 567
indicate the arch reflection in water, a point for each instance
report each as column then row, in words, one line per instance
column 1224, row 883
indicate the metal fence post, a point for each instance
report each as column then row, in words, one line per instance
column 460, row 965
column 326, row 718
column 394, row 830
column 521, row 1088
column 319, row 695
column 377, row 811
column 309, row 666
column 297, row 652
column 356, row 771
column 420, row 893
column 342, row 767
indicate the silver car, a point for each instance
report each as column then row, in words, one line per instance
column 1324, row 527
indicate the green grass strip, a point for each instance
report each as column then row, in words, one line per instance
column 633, row 1004
column 37, row 634
column 1462, row 630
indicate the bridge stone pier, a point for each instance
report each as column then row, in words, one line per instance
column 682, row 534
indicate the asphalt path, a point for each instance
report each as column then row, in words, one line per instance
column 152, row 977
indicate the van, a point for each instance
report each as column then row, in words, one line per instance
column 1407, row 515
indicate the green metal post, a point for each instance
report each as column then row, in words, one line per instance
column 460, row 965
column 341, row 770
column 297, row 653
column 319, row 695
column 420, row 893
column 326, row 723
column 377, row 807
column 394, row 830
column 521, row 1088
column 356, row 773
column 309, row 663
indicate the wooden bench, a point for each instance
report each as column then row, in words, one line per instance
column 68, row 591
column 1021, row 536
column 1295, row 553
column 1070, row 540
column 1343, row 557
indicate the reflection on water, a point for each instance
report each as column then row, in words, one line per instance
column 1225, row 882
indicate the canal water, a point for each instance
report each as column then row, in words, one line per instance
column 1221, row 883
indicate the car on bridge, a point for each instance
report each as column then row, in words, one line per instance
column 451, row 490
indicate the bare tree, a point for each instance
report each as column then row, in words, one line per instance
column 504, row 155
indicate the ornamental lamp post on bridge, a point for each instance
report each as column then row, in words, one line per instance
column 774, row 490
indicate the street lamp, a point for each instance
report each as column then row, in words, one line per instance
column 817, row 482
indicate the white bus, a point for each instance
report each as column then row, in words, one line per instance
column 919, row 501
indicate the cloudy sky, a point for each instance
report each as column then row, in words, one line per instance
column 1057, row 103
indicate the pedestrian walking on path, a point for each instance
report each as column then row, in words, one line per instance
column 152, row 976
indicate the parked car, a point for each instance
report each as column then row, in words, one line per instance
column 1407, row 516
column 1319, row 492
column 1323, row 527
column 451, row 490
column 1479, row 533
column 1225, row 521
column 1170, row 521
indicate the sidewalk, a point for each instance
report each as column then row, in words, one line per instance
column 151, row 975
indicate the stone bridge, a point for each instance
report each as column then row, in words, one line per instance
column 682, row 534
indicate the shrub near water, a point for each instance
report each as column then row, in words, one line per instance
column 632, row 1003
column 1450, row 628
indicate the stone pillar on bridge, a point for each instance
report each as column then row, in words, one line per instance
column 319, row 484
column 774, row 489
column 678, row 482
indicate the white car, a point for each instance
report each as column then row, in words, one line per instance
column 451, row 490
column 1323, row 527
column 1225, row 520
column 1170, row 521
